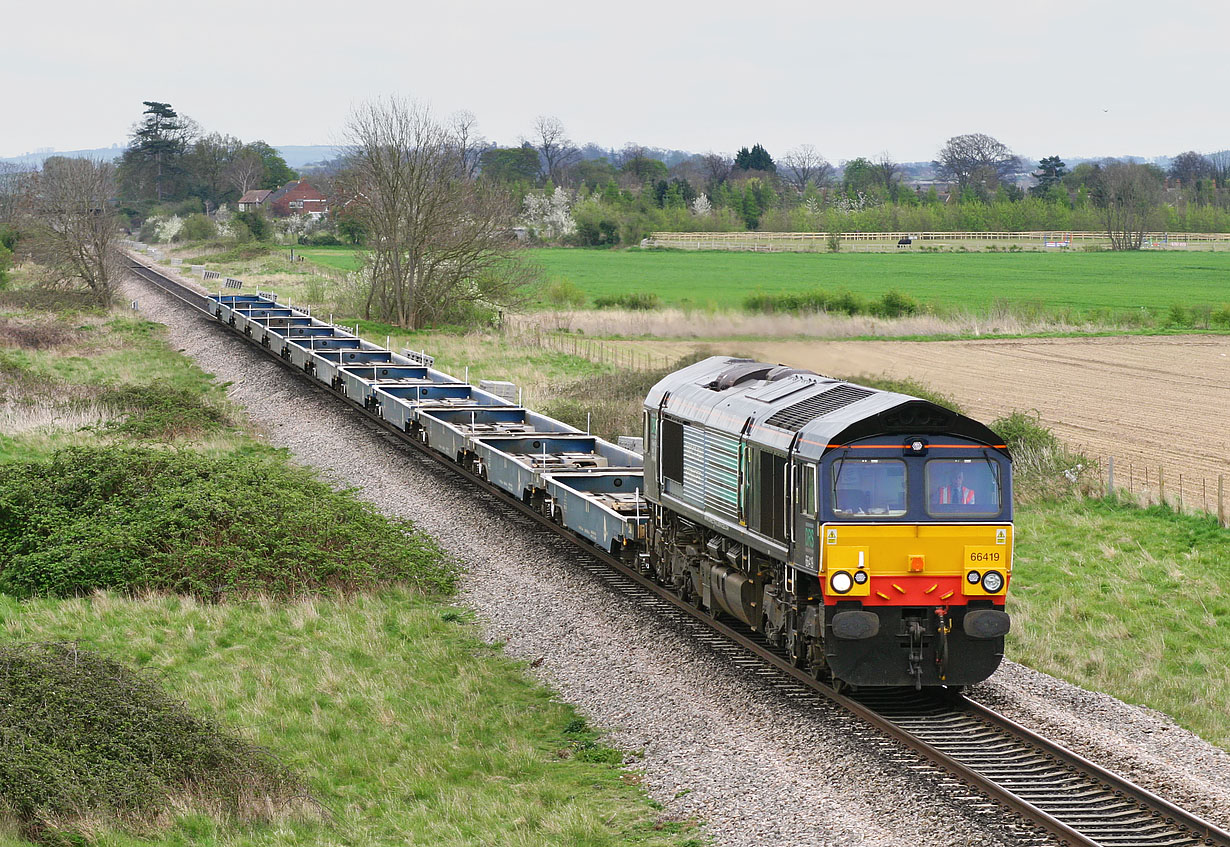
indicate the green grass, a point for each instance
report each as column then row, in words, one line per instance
column 406, row 726
column 1080, row 282
column 1129, row 601
column 338, row 258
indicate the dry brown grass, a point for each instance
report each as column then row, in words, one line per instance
column 679, row 323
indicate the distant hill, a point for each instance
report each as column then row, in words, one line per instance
column 297, row 156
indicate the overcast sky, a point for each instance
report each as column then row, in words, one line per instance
column 856, row 78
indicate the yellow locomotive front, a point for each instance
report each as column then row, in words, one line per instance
column 914, row 546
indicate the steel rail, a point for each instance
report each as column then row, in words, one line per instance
column 1192, row 829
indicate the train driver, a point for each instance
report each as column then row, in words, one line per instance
column 954, row 492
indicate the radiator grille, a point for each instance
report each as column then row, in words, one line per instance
column 794, row 418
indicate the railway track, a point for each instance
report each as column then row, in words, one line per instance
column 978, row 753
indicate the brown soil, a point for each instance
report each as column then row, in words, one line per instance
column 1148, row 401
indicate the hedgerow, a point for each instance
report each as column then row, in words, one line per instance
column 132, row 519
column 893, row 304
column 83, row 737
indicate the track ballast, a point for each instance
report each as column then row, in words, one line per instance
column 1055, row 791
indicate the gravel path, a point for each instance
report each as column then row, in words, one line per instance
column 714, row 745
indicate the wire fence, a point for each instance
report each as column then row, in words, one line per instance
column 596, row 350
column 1153, row 485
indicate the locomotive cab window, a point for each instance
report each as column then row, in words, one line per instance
column 869, row 488
column 807, row 489
column 962, row 487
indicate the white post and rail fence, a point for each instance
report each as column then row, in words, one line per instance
column 799, row 242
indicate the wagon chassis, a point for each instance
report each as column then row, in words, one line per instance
column 1054, row 790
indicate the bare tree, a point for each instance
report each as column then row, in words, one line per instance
column 470, row 143
column 1220, row 161
column 888, row 172
column 16, row 183
column 73, row 229
column 968, row 159
column 717, row 168
column 245, row 170
column 556, row 149
column 1128, row 195
column 439, row 239
column 804, row 165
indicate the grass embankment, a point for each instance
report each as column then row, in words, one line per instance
column 377, row 697
column 1133, row 602
column 405, row 726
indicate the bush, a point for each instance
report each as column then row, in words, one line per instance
column 1043, row 468
column 255, row 221
column 644, row 301
column 83, row 737
column 136, row 519
column 320, row 239
column 198, row 227
column 1179, row 316
column 1221, row 317
column 6, row 262
column 563, row 294
column 894, row 304
column 162, row 411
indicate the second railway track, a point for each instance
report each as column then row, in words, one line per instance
column 1052, row 789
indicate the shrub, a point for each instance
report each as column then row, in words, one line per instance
column 83, row 737
column 894, row 304
column 257, row 224
column 320, row 239
column 162, row 411
column 137, row 518
column 197, row 227
column 637, row 300
column 1179, row 315
column 6, row 262
column 1221, row 317
column 563, row 294
column 1043, row 467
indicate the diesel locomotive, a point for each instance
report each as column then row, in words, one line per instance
column 867, row 533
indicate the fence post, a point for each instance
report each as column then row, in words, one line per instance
column 1221, row 499
column 1110, row 476
column 1161, row 486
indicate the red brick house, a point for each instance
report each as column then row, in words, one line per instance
column 298, row 198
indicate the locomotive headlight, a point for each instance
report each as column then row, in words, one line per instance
column 972, row 577
column 841, row 582
column 992, row 582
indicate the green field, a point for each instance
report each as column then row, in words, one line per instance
column 1083, row 283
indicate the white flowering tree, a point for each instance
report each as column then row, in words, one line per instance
column 549, row 216
column 701, row 206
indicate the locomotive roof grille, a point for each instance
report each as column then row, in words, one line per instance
column 795, row 417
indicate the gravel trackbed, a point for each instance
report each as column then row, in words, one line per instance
column 714, row 745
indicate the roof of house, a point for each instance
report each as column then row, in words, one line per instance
column 255, row 195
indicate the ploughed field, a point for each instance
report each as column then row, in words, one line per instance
column 1145, row 400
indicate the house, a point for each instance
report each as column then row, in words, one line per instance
column 298, row 198
column 253, row 199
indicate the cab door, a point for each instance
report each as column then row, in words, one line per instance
column 805, row 546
